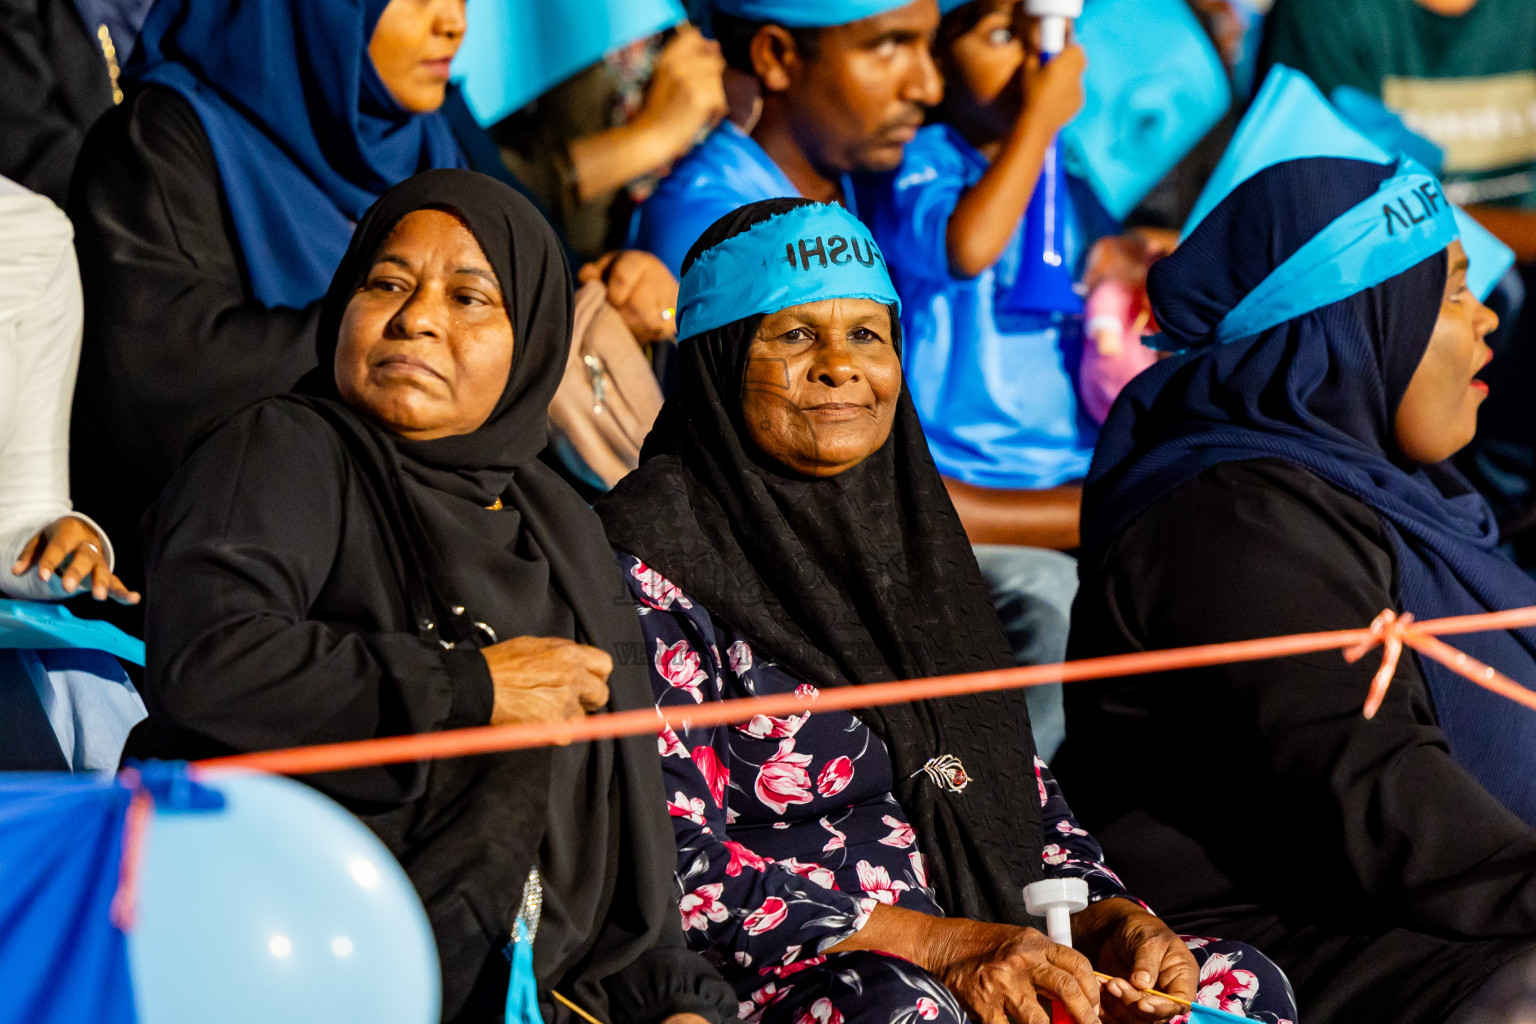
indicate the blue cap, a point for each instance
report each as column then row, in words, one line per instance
column 804, row 13
column 807, row 254
column 1290, row 120
column 1153, row 89
column 516, row 50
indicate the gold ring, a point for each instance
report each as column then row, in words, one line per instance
column 668, row 313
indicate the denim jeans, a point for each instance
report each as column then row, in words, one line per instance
column 1032, row 590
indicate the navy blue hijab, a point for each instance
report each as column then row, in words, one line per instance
column 305, row 132
column 1321, row 391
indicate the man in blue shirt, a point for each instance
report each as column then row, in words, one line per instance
column 844, row 85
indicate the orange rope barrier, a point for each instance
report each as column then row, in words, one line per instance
column 1389, row 631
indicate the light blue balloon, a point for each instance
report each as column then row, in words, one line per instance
column 281, row 908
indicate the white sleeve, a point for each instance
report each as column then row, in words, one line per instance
column 41, row 317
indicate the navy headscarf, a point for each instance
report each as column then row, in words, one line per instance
column 1321, row 391
column 305, row 132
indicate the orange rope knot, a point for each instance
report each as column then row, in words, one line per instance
column 1392, row 631
column 1389, row 631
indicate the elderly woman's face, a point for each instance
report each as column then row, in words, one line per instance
column 426, row 343
column 412, row 46
column 1438, row 414
column 821, row 384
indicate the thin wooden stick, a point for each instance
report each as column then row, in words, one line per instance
column 578, row 1011
column 1147, row 991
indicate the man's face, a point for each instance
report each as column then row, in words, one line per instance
column 861, row 97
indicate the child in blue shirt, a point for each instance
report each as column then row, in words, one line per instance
column 995, row 386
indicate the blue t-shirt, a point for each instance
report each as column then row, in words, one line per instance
column 998, row 402
column 726, row 171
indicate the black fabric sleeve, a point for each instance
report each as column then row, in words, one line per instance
column 174, row 339
column 1270, row 765
column 43, row 116
column 669, row 979
column 244, row 542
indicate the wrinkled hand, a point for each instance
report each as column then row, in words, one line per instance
column 546, row 679
column 641, row 288
column 1126, row 941
column 1000, row 972
column 69, row 546
column 686, row 93
column 1053, row 94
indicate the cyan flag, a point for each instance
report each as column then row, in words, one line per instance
column 1291, row 120
column 515, row 50
column 1153, row 88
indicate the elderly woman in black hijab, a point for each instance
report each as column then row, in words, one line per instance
column 384, row 554
column 787, row 531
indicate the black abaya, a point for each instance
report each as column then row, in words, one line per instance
column 174, row 339
column 307, row 564
column 1253, row 801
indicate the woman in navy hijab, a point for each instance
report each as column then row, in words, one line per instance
column 212, row 207
column 1286, row 474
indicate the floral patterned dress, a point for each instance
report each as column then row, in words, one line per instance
column 788, row 836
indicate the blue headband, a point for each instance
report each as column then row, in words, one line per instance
column 805, row 255
column 1406, row 221
column 804, row 13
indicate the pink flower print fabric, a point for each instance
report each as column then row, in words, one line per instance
column 783, row 780
column 787, row 826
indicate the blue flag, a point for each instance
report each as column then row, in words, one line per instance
column 1210, row 1015
column 1153, row 88
column 61, row 959
column 1488, row 259
column 34, row 625
column 516, row 50
column 1291, row 120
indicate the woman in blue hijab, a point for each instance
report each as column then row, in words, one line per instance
column 212, row 206
column 1286, row 474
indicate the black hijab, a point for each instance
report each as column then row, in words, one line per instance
column 520, row 570
column 862, row 577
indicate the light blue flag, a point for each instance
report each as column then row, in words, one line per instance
column 33, row 625
column 1385, row 128
column 1488, row 259
column 1154, row 86
column 516, row 50
column 1289, row 120
column 1210, row 1015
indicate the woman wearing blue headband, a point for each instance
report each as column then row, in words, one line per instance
column 787, row 531
column 1286, row 474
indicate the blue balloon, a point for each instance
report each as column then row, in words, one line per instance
column 281, row 907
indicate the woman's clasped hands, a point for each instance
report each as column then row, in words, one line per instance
column 1002, row 974
column 546, row 679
